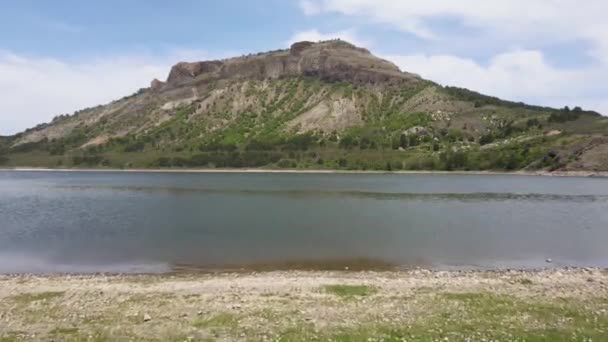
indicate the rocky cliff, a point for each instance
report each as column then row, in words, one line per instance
column 332, row 61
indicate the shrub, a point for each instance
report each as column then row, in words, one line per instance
column 287, row 163
column 486, row 139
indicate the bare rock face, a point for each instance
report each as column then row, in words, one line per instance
column 183, row 72
column 342, row 61
column 334, row 60
column 297, row 48
column 156, row 85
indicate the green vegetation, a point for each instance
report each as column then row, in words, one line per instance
column 64, row 331
column 27, row 298
column 472, row 317
column 489, row 134
column 348, row 291
column 480, row 100
column 564, row 305
column 221, row 320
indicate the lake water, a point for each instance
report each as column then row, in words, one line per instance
column 152, row 222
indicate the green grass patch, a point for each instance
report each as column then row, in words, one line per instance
column 474, row 317
column 221, row 320
column 64, row 331
column 26, row 298
column 12, row 336
column 348, row 291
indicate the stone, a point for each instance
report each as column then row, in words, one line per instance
column 156, row 85
column 333, row 60
column 147, row 318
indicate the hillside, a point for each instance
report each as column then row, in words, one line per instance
column 326, row 105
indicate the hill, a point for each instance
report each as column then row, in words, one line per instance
column 326, row 105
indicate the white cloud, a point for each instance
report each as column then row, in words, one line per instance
column 315, row 36
column 310, row 7
column 520, row 75
column 35, row 89
column 557, row 20
column 523, row 74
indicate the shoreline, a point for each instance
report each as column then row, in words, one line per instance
column 599, row 174
column 415, row 305
column 194, row 272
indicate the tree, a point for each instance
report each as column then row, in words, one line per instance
column 395, row 144
column 414, row 141
column 486, row 139
column 533, row 123
column 404, row 142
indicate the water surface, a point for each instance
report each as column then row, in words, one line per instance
column 151, row 222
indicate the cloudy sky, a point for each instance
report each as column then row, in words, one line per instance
column 60, row 56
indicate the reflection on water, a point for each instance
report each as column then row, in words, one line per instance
column 403, row 196
column 155, row 222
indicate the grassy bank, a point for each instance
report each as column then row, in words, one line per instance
column 303, row 306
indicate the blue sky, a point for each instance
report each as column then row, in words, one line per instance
column 59, row 56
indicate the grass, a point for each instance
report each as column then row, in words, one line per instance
column 349, row 291
column 525, row 281
column 473, row 317
column 220, row 320
column 138, row 299
column 27, row 298
column 64, row 331
column 505, row 311
column 12, row 336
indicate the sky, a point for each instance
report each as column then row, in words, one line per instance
column 60, row 56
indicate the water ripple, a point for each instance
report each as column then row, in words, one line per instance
column 316, row 193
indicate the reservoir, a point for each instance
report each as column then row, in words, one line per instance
column 87, row 222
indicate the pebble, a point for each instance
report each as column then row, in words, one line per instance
column 147, row 318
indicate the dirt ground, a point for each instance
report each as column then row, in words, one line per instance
column 416, row 305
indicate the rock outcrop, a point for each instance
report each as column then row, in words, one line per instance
column 156, row 85
column 331, row 60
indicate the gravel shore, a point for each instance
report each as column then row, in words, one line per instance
column 416, row 305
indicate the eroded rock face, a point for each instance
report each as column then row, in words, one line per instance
column 331, row 60
column 156, row 85
column 183, row 72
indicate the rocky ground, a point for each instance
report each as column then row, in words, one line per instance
column 417, row 305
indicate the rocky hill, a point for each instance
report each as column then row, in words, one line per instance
column 315, row 105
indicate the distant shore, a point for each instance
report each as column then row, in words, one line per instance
column 324, row 171
column 416, row 305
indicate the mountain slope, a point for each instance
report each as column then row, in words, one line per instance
column 315, row 105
